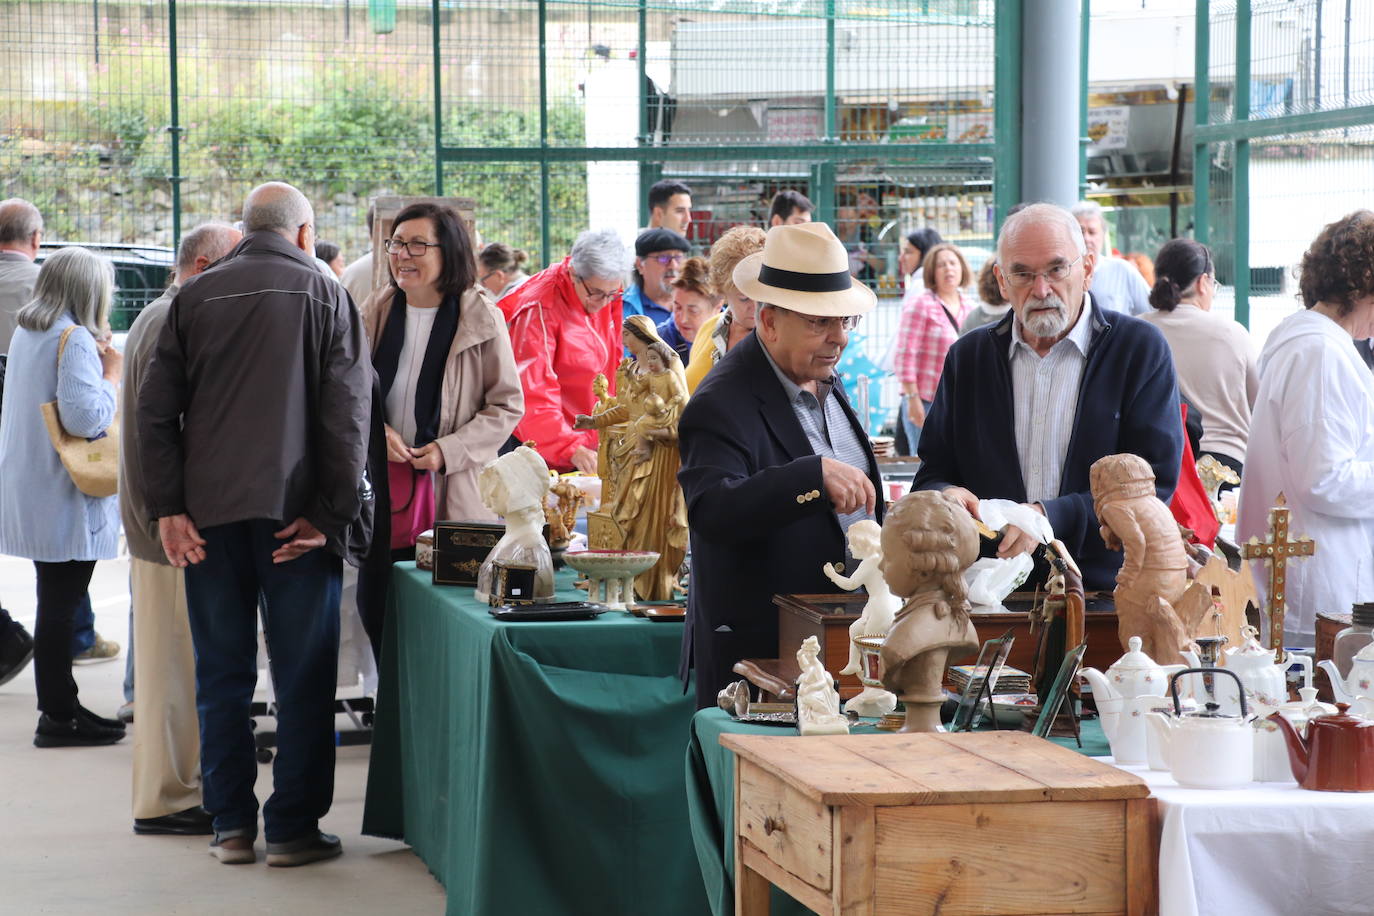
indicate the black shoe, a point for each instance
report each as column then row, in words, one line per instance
column 75, row 732
column 84, row 713
column 313, row 847
column 191, row 822
column 16, row 650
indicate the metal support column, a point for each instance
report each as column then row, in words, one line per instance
column 1007, row 108
column 438, row 98
column 645, row 180
column 1202, row 114
column 174, row 128
column 545, row 245
column 1240, row 209
column 1050, row 87
column 1084, row 40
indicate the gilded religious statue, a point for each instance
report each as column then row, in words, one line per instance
column 1153, row 581
column 928, row 541
column 642, row 507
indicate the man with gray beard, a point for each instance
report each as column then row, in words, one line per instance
column 1026, row 405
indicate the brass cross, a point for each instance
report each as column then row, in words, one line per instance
column 1276, row 552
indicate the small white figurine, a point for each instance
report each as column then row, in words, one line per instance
column 865, row 545
column 514, row 486
column 818, row 702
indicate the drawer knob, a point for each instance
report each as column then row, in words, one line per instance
column 773, row 824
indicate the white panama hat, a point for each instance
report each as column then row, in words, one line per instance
column 804, row 268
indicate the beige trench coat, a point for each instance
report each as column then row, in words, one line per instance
column 481, row 400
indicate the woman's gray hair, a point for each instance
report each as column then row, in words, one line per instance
column 71, row 281
column 1038, row 215
column 601, row 254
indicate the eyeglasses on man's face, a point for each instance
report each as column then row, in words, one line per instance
column 598, row 295
column 820, row 326
column 414, row 247
column 1056, row 274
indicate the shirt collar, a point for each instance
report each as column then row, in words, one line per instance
column 795, row 391
column 1080, row 335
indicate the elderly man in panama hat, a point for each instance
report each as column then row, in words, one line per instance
column 775, row 464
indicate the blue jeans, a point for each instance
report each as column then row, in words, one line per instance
column 913, row 432
column 300, row 619
column 83, row 627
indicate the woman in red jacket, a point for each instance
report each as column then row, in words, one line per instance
column 565, row 329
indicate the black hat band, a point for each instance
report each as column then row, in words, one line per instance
column 800, row 282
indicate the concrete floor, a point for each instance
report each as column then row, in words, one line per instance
column 66, row 839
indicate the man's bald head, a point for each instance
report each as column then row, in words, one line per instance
column 21, row 227
column 278, row 207
column 203, row 246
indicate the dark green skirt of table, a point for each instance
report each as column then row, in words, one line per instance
column 536, row 768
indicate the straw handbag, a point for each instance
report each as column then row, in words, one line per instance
column 92, row 463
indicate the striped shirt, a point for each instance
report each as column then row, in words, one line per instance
column 827, row 428
column 1045, row 403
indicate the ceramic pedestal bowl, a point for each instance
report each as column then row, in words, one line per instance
column 611, row 573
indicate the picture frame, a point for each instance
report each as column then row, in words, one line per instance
column 1059, row 690
column 991, row 659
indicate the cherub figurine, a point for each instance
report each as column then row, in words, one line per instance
column 514, row 486
column 865, row 545
column 1154, row 570
column 818, row 702
column 928, row 541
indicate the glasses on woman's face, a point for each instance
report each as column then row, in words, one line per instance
column 598, row 295
column 415, row 248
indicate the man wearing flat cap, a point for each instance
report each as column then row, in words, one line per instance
column 659, row 254
column 775, row 464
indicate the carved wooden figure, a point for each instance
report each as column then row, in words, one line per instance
column 1154, row 570
column 928, row 541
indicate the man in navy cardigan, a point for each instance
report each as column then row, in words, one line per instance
column 1084, row 382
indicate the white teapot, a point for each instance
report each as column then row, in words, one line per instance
column 1264, row 682
column 1271, row 751
column 1209, row 749
column 1356, row 686
column 1132, row 686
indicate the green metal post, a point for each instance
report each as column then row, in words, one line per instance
column 831, row 131
column 1240, row 207
column 645, row 181
column 438, row 99
column 1202, row 114
column 1085, row 37
column 175, row 128
column 823, row 191
column 545, row 245
column 1007, row 108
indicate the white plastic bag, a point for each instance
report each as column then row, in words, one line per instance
column 990, row 579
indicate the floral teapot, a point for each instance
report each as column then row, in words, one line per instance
column 1356, row 686
column 1264, row 683
column 1132, row 686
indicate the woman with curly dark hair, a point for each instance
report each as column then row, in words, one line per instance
column 1312, row 434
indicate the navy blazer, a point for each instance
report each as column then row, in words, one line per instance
column 760, row 521
column 1127, row 402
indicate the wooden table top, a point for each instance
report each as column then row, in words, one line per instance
column 935, row 768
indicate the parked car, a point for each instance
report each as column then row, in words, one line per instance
column 141, row 274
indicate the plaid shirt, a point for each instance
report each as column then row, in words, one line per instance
column 923, row 338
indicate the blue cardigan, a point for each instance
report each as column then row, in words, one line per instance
column 1127, row 402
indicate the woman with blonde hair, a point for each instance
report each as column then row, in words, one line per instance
column 718, row 336
column 694, row 301
column 60, row 352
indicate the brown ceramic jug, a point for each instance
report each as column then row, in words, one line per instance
column 1337, row 754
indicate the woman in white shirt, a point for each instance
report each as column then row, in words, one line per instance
column 1312, row 435
column 1213, row 356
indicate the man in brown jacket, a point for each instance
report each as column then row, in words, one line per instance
column 253, row 422
column 166, row 790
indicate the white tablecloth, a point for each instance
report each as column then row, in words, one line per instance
column 1262, row 849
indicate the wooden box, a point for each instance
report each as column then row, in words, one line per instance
column 828, row 617
column 991, row 823
column 461, row 547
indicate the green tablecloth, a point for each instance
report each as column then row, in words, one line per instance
column 536, row 768
column 711, row 796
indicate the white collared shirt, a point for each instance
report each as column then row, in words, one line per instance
column 1045, row 403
